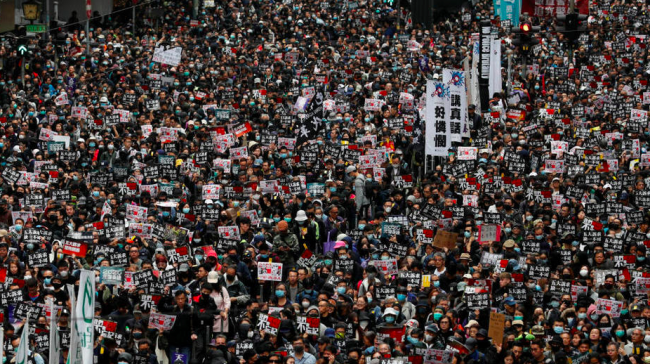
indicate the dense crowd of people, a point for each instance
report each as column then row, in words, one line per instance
column 244, row 204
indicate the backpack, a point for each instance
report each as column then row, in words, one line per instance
column 370, row 187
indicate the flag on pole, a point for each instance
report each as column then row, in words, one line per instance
column 106, row 210
column 89, row 9
column 85, row 315
column 22, row 355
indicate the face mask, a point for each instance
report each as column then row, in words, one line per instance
column 401, row 297
column 299, row 348
column 428, row 337
column 340, row 290
column 624, row 311
column 375, row 256
column 437, row 316
column 328, row 261
column 30, row 246
column 276, row 219
column 436, row 284
column 582, row 315
column 369, row 299
column 468, row 234
column 186, row 210
column 63, row 273
column 279, row 293
column 305, row 305
column 558, row 329
column 384, row 257
column 287, row 219
column 508, row 230
column 647, row 339
column 539, row 237
column 371, row 236
column 166, row 213
column 96, row 193
column 555, row 304
column 332, row 189
column 18, row 227
column 137, row 335
column 461, row 286
column 390, row 319
column 594, row 317
column 319, row 216
column 361, row 226
column 388, row 209
column 529, row 217
column 640, row 259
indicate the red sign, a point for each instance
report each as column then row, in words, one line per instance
column 75, row 249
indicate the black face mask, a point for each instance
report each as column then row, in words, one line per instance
column 205, row 296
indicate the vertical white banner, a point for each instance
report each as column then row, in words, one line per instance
column 2, row 342
column 22, row 355
column 54, row 352
column 496, row 83
column 438, row 134
column 85, row 315
column 73, row 351
column 456, row 81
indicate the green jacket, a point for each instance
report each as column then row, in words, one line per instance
column 290, row 240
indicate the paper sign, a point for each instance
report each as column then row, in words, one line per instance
column 75, row 249
column 497, row 322
column 170, row 57
column 445, row 239
column 111, row 275
column 609, row 307
column 467, row 153
column 269, row 271
column 386, row 267
column 136, row 213
column 161, row 322
column 489, row 233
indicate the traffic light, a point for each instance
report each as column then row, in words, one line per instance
column 572, row 22
column 526, row 39
column 573, row 25
column 22, row 47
